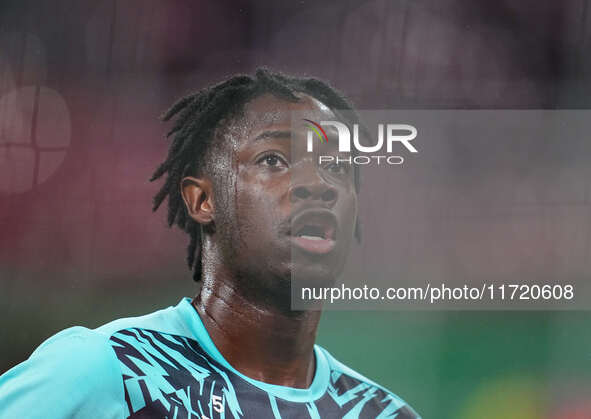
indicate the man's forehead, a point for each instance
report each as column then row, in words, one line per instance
column 269, row 109
column 270, row 113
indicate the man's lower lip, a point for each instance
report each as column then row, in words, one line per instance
column 314, row 246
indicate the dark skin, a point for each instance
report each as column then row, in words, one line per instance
column 266, row 188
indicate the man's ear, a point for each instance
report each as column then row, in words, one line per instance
column 198, row 197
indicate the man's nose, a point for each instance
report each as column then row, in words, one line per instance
column 311, row 186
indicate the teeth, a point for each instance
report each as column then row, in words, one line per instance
column 304, row 236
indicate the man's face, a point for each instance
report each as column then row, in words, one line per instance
column 286, row 215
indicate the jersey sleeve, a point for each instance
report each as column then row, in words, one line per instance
column 73, row 374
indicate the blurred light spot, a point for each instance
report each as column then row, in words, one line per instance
column 507, row 398
column 573, row 409
column 35, row 132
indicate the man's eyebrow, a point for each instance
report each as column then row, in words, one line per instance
column 272, row 134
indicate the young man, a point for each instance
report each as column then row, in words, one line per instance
column 258, row 209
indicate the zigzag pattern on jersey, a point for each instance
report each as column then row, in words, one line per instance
column 171, row 376
column 167, row 375
column 362, row 400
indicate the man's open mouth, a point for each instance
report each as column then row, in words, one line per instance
column 314, row 231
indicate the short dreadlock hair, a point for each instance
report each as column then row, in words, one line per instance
column 198, row 115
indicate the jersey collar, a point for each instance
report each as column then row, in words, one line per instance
column 319, row 384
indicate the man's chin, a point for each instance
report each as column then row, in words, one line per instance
column 321, row 274
column 310, row 266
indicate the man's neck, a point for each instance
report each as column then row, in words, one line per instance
column 262, row 343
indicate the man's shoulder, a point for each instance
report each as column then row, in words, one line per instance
column 166, row 320
column 86, row 350
column 77, row 362
column 344, row 378
column 82, row 363
column 75, row 345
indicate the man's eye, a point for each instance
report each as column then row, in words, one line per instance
column 272, row 160
column 336, row 168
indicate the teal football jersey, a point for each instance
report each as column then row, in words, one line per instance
column 165, row 365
